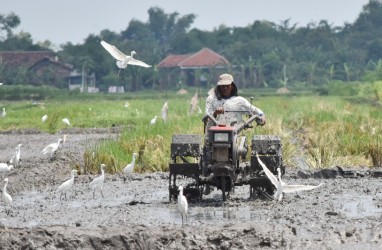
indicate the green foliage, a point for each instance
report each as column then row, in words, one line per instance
column 28, row 92
column 377, row 87
column 324, row 131
column 261, row 54
column 8, row 22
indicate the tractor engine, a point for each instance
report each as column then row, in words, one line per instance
column 221, row 154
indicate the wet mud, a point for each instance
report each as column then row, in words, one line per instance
column 345, row 212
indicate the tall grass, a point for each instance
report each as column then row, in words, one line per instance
column 151, row 142
column 323, row 131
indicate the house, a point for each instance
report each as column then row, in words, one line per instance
column 36, row 67
column 197, row 69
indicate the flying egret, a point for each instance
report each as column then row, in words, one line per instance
column 4, row 167
column 281, row 186
column 66, row 121
column 122, row 59
column 129, row 167
column 182, row 204
column 16, row 157
column 164, row 111
column 153, row 121
column 67, row 185
column 52, row 148
column 43, row 118
column 3, row 113
column 6, row 197
column 97, row 183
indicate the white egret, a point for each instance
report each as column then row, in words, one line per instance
column 122, row 59
column 199, row 110
column 1, row 83
column 43, row 118
column 4, row 167
column 182, row 92
column 194, row 103
column 67, row 185
column 64, row 138
column 211, row 91
column 3, row 113
column 126, row 104
column 66, row 121
column 129, row 167
column 182, row 204
column 97, row 183
column 52, row 148
column 16, row 157
column 164, row 111
column 153, row 121
column 281, row 186
column 7, row 199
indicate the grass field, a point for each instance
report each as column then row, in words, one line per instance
column 316, row 131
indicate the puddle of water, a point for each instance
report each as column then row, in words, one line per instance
column 358, row 206
column 206, row 214
column 228, row 213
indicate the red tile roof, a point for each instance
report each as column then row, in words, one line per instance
column 204, row 58
column 172, row 61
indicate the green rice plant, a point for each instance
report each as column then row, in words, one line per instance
column 324, row 130
column 374, row 151
column 151, row 142
column 319, row 153
column 107, row 152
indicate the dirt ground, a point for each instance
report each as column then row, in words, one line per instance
column 344, row 213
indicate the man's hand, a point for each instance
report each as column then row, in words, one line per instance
column 262, row 120
column 218, row 111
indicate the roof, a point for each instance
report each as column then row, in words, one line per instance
column 204, row 58
column 29, row 58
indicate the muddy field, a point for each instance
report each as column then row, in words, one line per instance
column 344, row 213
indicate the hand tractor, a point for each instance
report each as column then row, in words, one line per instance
column 220, row 159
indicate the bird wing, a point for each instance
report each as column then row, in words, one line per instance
column 128, row 169
column 113, row 51
column 66, row 120
column 48, row 148
column 63, row 186
column 136, row 62
column 183, row 204
column 269, row 174
column 97, row 181
column 8, row 200
column 13, row 159
column 3, row 167
column 295, row 188
column 92, row 183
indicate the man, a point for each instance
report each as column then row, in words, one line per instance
column 223, row 103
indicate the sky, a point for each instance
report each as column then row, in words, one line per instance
column 62, row 21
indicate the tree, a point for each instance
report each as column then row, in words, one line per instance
column 7, row 23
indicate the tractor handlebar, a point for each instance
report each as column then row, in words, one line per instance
column 245, row 125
